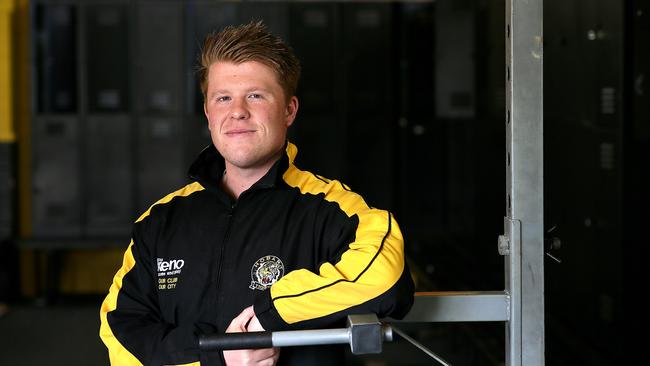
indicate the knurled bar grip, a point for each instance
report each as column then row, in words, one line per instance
column 288, row 338
column 228, row 341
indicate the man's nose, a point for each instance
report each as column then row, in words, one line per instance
column 239, row 109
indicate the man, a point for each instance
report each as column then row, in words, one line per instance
column 253, row 243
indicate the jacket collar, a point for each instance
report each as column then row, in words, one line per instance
column 209, row 166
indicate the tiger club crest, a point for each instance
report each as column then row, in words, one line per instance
column 265, row 272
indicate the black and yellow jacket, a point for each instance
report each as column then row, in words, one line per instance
column 304, row 250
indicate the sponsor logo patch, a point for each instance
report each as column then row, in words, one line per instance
column 265, row 272
column 168, row 272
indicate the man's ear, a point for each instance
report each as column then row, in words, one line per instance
column 205, row 111
column 291, row 110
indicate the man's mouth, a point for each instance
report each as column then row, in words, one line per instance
column 239, row 132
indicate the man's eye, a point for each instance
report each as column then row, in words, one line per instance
column 254, row 96
column 223, row 99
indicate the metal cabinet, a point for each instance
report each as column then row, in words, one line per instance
column 159, row 139
column 107, row 58
column 320, row 128
column 108, row 176
column 584, row 122
column 158, row 61
column 56, row 129
column 55, row 56
column 108, row 146
column 370, row 87
column 56, row 187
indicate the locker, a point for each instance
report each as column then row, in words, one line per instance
column 454, row 63
column 315, row 32
column 161, row 169
column 608, row 28
column 636, row 177
column 367, row 45
column 369, row 84
column 420, row 137
column 56, row 188
column 108, row 167
column 320, row 127
column 55, row 54
column 159, row 57
column 107, row 58
column 583, row 168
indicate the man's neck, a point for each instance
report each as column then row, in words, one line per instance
column 236, row 180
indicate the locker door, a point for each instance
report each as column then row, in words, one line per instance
column 55, row 53
column 56, row 188
column 107, row 58
column 108, row 146
column 56, row 181
column 159, row 57
column 159, row 140
column 583, row 165
column 160, row 159
column 367, row 48
column 320, row 130
column 421, row 136
column 109, row 180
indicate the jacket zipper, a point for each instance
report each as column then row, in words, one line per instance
column 221, row 254
column 231, row 214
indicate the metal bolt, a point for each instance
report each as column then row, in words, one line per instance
column 504, row 245
column 591, row 35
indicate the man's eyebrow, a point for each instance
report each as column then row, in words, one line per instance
column 257, row 89
column 248, row 90
column 218, row 91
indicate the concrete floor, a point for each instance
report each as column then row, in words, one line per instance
column 52, row 335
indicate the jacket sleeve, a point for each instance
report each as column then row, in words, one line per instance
column 370, row 276
column 132, row 327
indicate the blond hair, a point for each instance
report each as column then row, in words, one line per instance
column 250, row 42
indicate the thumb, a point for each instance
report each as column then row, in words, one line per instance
column 239, row 323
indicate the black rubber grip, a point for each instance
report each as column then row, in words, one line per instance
column 228, row 341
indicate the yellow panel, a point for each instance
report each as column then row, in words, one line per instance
column 22, row 93
column 89, row 271
column 27, row 273
column 6, row 103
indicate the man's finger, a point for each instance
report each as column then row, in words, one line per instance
column 254, row 325
column 239, row 323
column 260, row 355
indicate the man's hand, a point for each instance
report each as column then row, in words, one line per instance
column 254, row 324
column 246, row 321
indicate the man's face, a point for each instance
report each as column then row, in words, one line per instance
column 248, row 113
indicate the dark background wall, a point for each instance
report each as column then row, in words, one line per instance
column 402, row 101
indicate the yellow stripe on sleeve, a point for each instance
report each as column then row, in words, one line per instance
column 118, row 354
column 372, row 264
